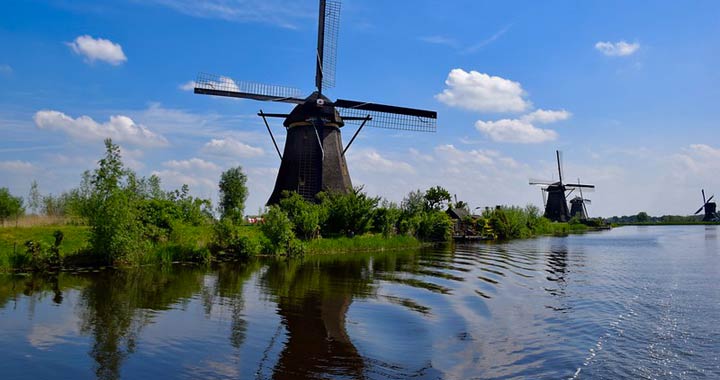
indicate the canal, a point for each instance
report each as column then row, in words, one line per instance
column 634, row 302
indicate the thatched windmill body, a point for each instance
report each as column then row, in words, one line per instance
column 313, row 158
column 710, row 209
column 556, row 205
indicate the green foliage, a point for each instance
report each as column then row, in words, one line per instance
column 643, row 217
column 305, row 216
column 233, row 193
column 348, row 214
column 278, row 229
column 386, row 218
column 513, row 222
column 233, row 240
column 436, row 197
column 34, row 197
column 10, row 206
column 434, row 226
column 413, row 203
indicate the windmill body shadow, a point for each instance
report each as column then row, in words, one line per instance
column 313, row 158
column 555, row 194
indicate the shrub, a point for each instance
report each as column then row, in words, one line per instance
column 434, row 226
column 386, row 218
column 233, row 193
column 278, row 229
column 347, row 214
column 305, row 216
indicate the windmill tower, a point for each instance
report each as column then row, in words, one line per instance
column 556, row 206
column 578, row 205
column 313, row 158
column 710, row 208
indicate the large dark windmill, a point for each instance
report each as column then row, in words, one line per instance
column 313, row 159
column 556, row 206
column 710, row 208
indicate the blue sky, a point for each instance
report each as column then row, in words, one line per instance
column 628, row 91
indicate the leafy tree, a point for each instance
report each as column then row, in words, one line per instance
column 233, row 193
column 436, row 197
column 413, row 203
column 278, row 228
column 305, row 216
column 10, row 206
column 643, row 217
column 34, row 197
column 347, row 214
column 112, row 210
column 386, row 218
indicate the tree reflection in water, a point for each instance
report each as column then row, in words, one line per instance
column 114, row 309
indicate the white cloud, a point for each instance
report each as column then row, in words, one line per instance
column 523, row 130
column 231, row 147
column 5, row 69
column 515, row 130
column 98, row 49
column 546, row 116
column 191, row 164
column 119, row 128
column 617, row 49
column 188, row 86
column 369, row 160
column 481, row 92
column 453, row 156
column 16, row 166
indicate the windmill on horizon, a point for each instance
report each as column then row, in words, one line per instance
column 556, row 206
column 313, row 159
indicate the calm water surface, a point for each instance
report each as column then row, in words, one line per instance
column 635, row 302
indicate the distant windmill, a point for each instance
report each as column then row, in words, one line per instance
column 578, row 205
column 710, row 208
column 556, row 207
column 313, row 159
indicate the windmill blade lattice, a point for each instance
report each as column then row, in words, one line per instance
column 390, row 117
column 329, row 29
column 212, row 84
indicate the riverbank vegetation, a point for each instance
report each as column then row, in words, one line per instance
column 115, row 217
column 642, row 218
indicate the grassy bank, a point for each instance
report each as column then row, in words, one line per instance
column 362, row 243
column 185, row 244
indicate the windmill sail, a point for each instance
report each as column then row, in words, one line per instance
column 386, row 116
column 328, row 30
column 219, row 85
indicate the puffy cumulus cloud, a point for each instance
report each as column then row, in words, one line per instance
column 369, row 160
column 523, row 129
column 515, row 131
column 482, row 92
column 231, row 148
column 617, row 49
column 16, row 166
column 119, row 128
column 191, row 164
column 98, row 49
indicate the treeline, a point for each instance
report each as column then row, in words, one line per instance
column 643, row 218
column 289, row 227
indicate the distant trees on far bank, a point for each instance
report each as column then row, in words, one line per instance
column 643, row 217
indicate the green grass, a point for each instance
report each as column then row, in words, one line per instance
column 361, row 243
column 12, row 241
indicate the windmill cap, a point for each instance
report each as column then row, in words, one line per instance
column 315, row 105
